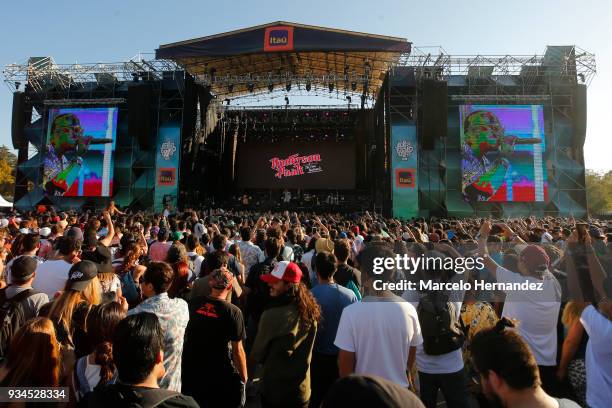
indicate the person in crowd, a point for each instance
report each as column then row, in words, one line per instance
column 53, row 274
column 332, row 298
column 508, row 371
column 369, row 391
column 158, row 251
column 345, row 273
column 259, row 292
column 173, row 315
column 30, row 244
column 98, row 368
column 379, row 335
column 23, row 274
column 215, row 327
column 536, row 310
column 110, row 283
column 202, row 287
column 192, row 244
column 34, row 360
column 285, row 338
column 70, row 309
column 572, row 369
column 138, row 354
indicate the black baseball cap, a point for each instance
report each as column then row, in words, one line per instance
column 81, row 274
column 23, row 268
column 102, row 257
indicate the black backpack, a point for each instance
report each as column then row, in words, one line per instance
column 442, row 331
column 11, row 317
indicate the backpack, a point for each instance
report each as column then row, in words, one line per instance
column 11, row 317
column 442, row 331
column 120, row 396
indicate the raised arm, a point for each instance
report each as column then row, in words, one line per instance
column 108, row 239
column 483, row 251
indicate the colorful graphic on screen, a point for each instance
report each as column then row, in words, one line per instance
column 80, row 148
column 502, row 148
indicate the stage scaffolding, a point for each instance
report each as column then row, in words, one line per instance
column 571, row 62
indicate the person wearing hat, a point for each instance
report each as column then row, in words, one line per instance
column 285, row 338
column 110, row 283
column 537, row 310
column 214, row 326
column 30, row 243
column 69, row 310
column 23, row 273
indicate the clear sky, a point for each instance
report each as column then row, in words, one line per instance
column 116, row 30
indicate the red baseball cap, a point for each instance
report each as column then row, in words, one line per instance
column 283, row 271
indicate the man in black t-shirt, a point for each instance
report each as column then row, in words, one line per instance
column 214, row 363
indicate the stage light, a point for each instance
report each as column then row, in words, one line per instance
column 288, row 86
column 308, row 86
column 331, row 87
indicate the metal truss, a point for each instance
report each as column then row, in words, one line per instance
column 42, row 72
column 573, row 62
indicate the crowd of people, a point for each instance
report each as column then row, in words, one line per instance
column 236, row 308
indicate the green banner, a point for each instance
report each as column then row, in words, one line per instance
column 167, row 167
column 404, row 165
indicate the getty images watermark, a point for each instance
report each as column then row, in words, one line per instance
column 406, row 264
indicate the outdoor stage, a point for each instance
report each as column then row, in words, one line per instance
column 410, row 133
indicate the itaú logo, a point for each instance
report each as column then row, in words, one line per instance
column 279, row 38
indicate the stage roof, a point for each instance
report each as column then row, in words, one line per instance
column 282, row 54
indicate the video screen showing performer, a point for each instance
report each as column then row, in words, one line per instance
column 80, row 148
column 502, row 148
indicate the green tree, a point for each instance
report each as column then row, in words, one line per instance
column 599, row 192
column 8, row 163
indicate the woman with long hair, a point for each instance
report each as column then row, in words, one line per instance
column 289, row 323
column 98, row 368
column 34, row 357
column 127, row 266
column 69, row 311
column 180, row 287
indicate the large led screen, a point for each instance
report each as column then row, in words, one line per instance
column 80, row 148
column 316, row 165
column 502, row 148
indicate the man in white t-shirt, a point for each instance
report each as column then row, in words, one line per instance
column 379, row 335
column 598, row 325
column 536, row 310
column 51, row 276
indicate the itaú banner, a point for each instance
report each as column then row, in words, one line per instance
column 404, row 164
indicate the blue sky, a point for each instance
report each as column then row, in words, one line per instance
column 112, row 30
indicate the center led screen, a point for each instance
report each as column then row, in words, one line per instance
column 502, row 149
column 316, row 165
column 80, row 149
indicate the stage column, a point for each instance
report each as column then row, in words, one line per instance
column 404, row 165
